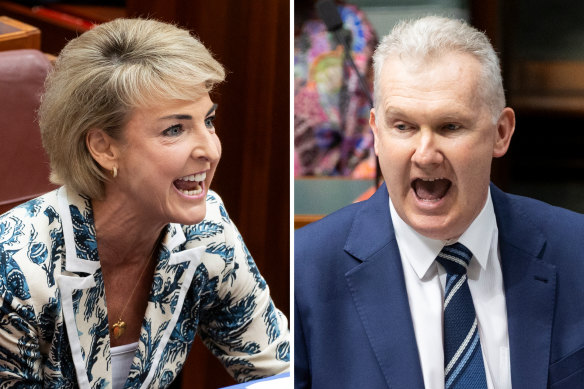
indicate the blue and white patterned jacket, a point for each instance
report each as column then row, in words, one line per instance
column 53, row 316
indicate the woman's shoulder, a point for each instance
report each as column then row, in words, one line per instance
column 31, row 215
column 27, row 234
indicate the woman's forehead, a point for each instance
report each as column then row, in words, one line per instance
column 173, row 108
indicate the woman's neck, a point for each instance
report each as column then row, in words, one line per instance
column 123, row 234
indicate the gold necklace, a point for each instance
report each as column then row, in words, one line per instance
column 119, row 328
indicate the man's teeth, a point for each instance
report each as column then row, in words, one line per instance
column 431, row 179
column 192, row 192
column 195, row 177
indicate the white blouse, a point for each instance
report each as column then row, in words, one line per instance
column 122, row 357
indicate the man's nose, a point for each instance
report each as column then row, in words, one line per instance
column 427, row 152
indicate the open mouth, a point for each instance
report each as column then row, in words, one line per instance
column 431, row 189
column 191, row 185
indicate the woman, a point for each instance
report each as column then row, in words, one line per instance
column 105, row 281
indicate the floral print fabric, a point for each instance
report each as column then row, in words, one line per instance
column 53, row 314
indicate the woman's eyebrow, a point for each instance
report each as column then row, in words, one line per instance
column 177, row 117
column 213, row 109
column 188, row 117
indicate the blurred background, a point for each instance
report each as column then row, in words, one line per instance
column 541, row 46
column 251, row 39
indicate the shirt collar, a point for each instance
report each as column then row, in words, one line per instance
column 421, row 251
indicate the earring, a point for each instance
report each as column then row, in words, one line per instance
column 115, row 171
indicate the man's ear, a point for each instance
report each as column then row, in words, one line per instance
column 505, row 129
column 102, row 148
column 375, row 130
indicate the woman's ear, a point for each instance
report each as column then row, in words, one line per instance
column 102, row 148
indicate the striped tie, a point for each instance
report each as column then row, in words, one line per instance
column 463, row 359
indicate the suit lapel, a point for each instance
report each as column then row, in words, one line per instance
column 379, row 293
column 172, row 279
column 530, row 287
column 84, row 305
column 83, row 294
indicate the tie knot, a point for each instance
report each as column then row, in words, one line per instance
column 455, row 258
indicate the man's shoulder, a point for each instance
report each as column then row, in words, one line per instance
column 541, row 213
column 331, row 225
column 320, row 245
column 352, row 230
column 522, row 220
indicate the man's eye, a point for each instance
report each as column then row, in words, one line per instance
column 209, row 121
column 451, row 127
column 401, row 127
column 175, row 130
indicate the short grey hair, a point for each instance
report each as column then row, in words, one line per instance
column 99, row 79
column 434, row 36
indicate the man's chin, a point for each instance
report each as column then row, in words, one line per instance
column 435, row 227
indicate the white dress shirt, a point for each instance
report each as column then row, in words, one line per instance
column 425, row 280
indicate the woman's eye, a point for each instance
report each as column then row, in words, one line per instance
column 209, row 121
column 175, row 130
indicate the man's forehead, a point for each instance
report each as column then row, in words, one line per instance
column 449, row 63
column 456, row 74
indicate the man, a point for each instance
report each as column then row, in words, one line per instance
column 385, row 288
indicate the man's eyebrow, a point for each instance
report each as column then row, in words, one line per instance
column 392, row 111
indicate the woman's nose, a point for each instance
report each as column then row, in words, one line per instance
column 207, row 146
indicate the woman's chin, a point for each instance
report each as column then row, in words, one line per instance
column 188, row 208
column 190, row 218
column 186, row 214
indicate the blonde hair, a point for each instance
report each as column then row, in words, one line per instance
column 101, row 76
column 433, row 36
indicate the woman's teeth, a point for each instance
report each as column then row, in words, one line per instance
column 195, row 177
column 191, row 185
column 192, row 192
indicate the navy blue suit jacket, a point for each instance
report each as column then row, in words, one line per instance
column 353, row 327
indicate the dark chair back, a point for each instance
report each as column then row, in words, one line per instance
column 24, row 166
